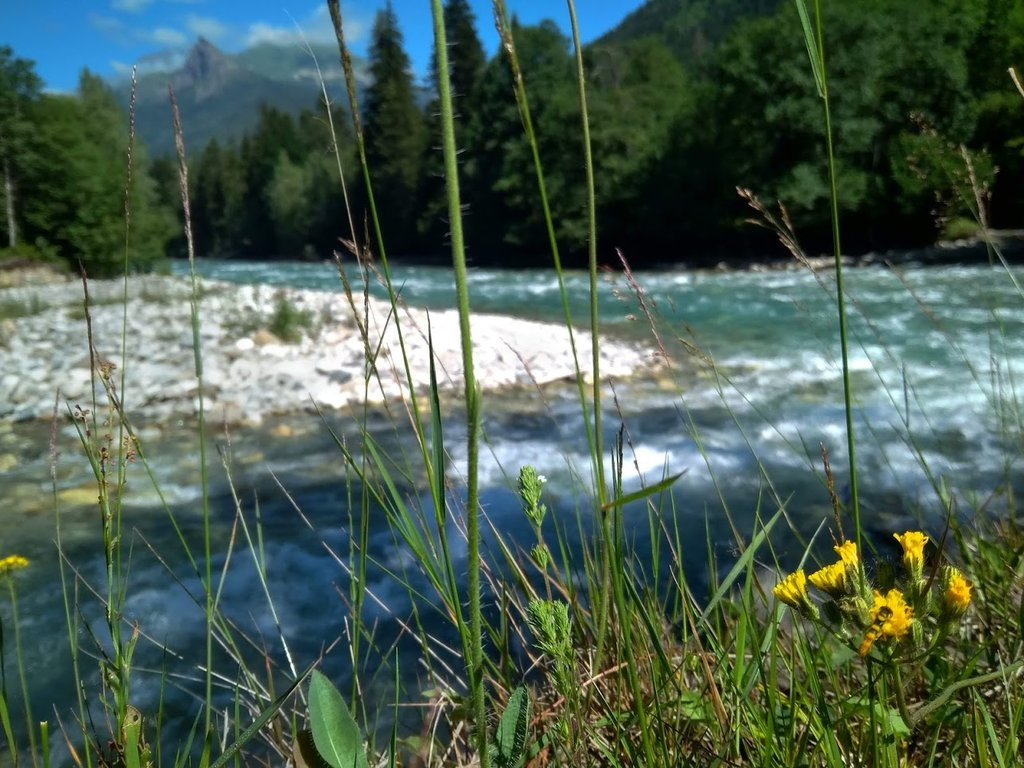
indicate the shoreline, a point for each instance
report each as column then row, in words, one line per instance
column 250, row 372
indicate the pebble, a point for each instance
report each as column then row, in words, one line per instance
column 249, row 373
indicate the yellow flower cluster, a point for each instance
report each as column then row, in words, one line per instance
column 888, row 614
column 12, row 563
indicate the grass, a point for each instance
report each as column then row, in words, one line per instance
column 588, row 654
column 287, row 322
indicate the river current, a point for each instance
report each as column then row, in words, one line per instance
column 750, row 393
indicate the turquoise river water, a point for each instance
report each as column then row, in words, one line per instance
column 936, row 355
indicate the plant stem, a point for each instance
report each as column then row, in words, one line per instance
column 474, row 656
column 21, row 669
column 840, row 292
column 207, row 577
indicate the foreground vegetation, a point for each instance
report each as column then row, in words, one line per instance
column 593, row 657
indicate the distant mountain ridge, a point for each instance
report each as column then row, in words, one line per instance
column 219, row 94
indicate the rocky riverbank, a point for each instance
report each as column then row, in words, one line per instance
column 265, row 351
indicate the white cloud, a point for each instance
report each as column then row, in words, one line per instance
column 162, row 61
column 166, row 36
column 315, row 27
column 165, row 61
column 106, row 24
column 206, row 26
column 129, row 6
column 117, row 31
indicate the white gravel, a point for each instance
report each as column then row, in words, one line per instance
column 248, row 373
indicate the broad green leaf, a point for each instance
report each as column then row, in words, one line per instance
column 335, row 732
column 509, row 745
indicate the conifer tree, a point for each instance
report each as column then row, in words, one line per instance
column 276, row 133
column 466, row 62
column 394, row 133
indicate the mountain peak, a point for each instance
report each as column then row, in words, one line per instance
column 207, row 69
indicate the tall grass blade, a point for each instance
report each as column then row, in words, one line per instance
column 474, row 653
column 814, row 40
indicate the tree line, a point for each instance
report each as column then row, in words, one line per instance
column 926, row 122
column 64, row 163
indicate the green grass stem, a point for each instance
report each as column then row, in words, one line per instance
column 474, row 653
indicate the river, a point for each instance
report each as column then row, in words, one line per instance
column 751, row 390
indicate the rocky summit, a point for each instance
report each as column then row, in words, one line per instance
column 264, row 350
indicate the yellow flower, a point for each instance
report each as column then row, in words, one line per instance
column 891, row 618
column 831, row 579
column 847, row 552
column 913, row 551
column 958, row 592
column 792, row 590
column 12, row 563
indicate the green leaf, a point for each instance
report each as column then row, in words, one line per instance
column 811, row 41
column 509, row 745
column 335, row 732
column 898, row 727
column 131, row 737
column 643, row 493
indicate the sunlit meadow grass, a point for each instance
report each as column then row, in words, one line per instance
column 589, row 658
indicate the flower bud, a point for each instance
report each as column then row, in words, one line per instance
column 956, row 593
column 913, row 553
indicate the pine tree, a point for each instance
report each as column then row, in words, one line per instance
column 466, row 59
column 218, row 201
column 466, row 62
column 394, row 133
column 276, row 133
column 503, row 186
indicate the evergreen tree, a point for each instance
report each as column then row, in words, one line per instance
column 466, row 62
column 275, row 133
column 19, row 88
column 502, row 185
column 466, row 58
column 328, row 220
column 218, row 201
column 394, row 133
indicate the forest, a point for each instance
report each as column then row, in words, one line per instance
column 687, row 101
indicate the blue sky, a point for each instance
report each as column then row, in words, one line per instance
column 108, row 36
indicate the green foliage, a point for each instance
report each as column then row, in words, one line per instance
column 692, row 29
column 466, row 62
column 395, row 132
column 335, row 732
column 74, row 185
column 530, row 487
column 687, row 102
column 501, row 184
column 218, row 200
column 19, row 89
column 287, row 322
column 509, row 746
